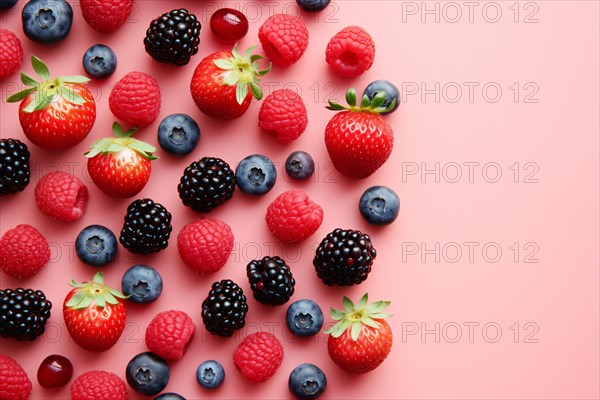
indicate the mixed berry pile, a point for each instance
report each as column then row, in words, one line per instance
column 58, row 113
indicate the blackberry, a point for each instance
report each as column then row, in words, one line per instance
column 224, row 310
column 147, row 227
column 344, row 257
column 14, row 166
column 206, row 184
column 271, row 280
column 23, row 313
column 173, row 37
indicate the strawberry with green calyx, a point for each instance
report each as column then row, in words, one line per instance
column 359, row 140
column 361, row 339
column 94, row 314
column 55, row 113
column 224, row 83
column 121, row 165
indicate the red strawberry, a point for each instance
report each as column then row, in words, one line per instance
column 98, row 385
column 221, row 81
column 24, row 251
column 169, row 334
column 283, row 114
column 293, row 217
column 359, row 140
column 11, row 53
column 61, row 196
column 120, row 166
column 362, row 339
column 57, row 113
column 135, row 99
column 94, row 314
column 106, row 15
column 258, row 356
column 14, row 382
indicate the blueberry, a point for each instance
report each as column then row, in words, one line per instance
column 313, row 5
column 300, row 165
column 47, row 21
column 379, row 205
column 307, row 381
column 147, row 373
column 6, row 4
column 391, row 93
column 170, row 396
column 210, row 374
column 255, row 174
column 96, row 245
column 99, row 61
column 178, row 134
column 142, row 283
column 304, row 318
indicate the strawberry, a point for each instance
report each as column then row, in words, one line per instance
column 120, row 166
column 362, row 339
column 220, row 83
column 56, row 113
column 359, row 140
column 94, row 314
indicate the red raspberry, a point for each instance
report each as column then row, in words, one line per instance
column 61, row 196
column 258, row 356
column 24, row 251
column 96, row 385
column 11, row 53
column 169, row 334
column 293, row 217
column 283, row 113
column 350, row 52
column 14, row 382
column 106, row 15
column 284, row 38
column 205, row 245
column 135, row 99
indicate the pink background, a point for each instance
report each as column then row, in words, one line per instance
column 549, row 208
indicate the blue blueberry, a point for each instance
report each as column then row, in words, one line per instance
column 142, row 283
column 255, row 175
column 170, row 396
column 96, row 245
column 147, row 373
column 391, row 93
column 313, row 5
column 307, row 381
column 379, row 205
column 304, row 318
column 47, row 21
column 99, row 61
column 210, row 374
column 6, row 4
column 300, row 165
column 178, row 134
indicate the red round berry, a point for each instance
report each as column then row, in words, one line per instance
column 284, row 38
column 14, row 382
column 94, row 385
column 169, row 334
column 11, row 53
column 135, row 99
column 61, row 196
column 228, row 24
column 24, row 251
column 293, row 217
column 350, row 52
column 205, row 245
column 258, row 356
column 55, row 371
column 283, row 114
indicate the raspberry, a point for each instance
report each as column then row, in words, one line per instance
column 169, row 334
column 350, row 52
column 106, row 15
column 135, row 99
column 284, row 38
column 293, row 217
column 14, row 382
column 61, row 196
column 24, row 251
column 258, row 356
column 283, row 113
column 11, row 53
column 94, row 385
column 205, row 245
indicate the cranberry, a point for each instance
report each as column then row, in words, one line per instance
column 228, row 24
column 55, row 371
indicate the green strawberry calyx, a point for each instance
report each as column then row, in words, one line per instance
column 374, row 106
column 355, row 316
column 95, row 292
column 244, row 72
column 122, row 140
column 47, row 89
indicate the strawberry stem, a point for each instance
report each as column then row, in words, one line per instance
column 95, row 292
column 353, row 317
column 374, row 106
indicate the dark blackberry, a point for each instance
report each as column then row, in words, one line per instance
column 147, row 227
column 271, row 280
column 344, row 257
column 14, row 166
column 224, row 310
column 173, row 37
column 23, row 313
column 206, row 184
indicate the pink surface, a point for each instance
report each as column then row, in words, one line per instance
column 518, row 174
